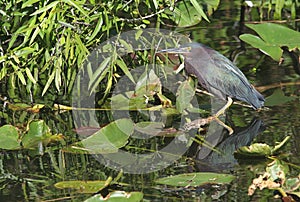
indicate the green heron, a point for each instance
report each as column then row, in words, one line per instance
column 218, row 75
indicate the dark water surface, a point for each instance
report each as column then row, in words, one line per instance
column 267, row 126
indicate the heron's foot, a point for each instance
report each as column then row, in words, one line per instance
column 198, row 123
column 230, row 130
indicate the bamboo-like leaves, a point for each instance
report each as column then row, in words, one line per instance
column 77, row 6
column 199, row 9
column 45, row 8
column 99, row 74
column 97, row 28
column 52, row 41
column 29, row 75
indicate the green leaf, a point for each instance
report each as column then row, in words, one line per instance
column 117, row 196
column 24, row 52
column 278, row 98
column 37, row 132
column 108, row 139
column 97, row 28
column 277, row 170
column 29, row 75
column 148, row 84
column 86, row 186
column 196, row 179
column 3, row 73
column 272, row 38
column 45, row 8
column 190, row 13
column 94, row 80
column 199, row 9
column 120, row 62
column 278, row 8
column 256, row 149
column 58, row 65
column 9, row 138
column 35, row 33
column 277, row 35
column 74, row 4
column 274, row 52
column 119, row 102
column 21, row 77
column 186, row 16
column 260, row 149
column 29, row 3
column 49, row 81
column 212, row 5
column 292, row 184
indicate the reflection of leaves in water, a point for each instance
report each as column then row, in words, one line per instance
column 278, row 98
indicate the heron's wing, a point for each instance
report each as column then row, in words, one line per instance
column 227, row 66
column 234, row 83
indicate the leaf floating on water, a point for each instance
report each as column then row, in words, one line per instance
column 278, row 98
column 37, row 131
column 117, row 196
column 9, row 138
column 260, row 149
column 107, row 140
column 256, row 149
column 196, row 179
column 82, row 186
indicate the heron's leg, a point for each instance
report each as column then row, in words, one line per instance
column 201, row 122
column 222, row 110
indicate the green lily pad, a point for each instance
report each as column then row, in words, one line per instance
column 260, row 149
column 278, row 98
column 9, row 138
column 272, row 38
column 256, row 149
column 107, row 140
column 292, row 184
column 82, row 186
column 149, row 128
column 196, row 179
column 37, row 131
column 118, row 196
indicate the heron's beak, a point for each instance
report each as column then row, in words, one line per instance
column 182, row 50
